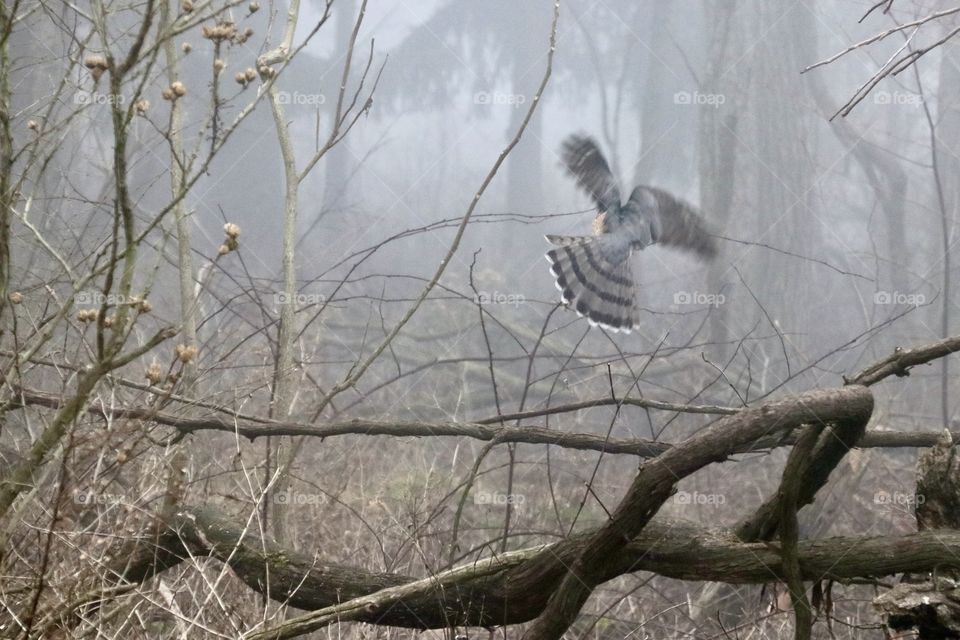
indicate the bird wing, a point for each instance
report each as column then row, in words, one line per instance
column 586, row 163
column 674, row 222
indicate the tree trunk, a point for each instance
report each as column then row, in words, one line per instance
column 946, row 167
column 718, row 156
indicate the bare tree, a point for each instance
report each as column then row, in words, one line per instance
column 205, row 436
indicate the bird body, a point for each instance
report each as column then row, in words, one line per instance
column 593, row 273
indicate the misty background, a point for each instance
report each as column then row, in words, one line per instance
column 835, row 236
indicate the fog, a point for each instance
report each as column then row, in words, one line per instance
column 412, row 287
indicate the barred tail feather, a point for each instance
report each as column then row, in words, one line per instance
column 598, row 289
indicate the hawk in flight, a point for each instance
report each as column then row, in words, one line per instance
column 593, row 272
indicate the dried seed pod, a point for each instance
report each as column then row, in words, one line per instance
column 185, row 353
column 97, row 65
column 220, row 32
column 95, row 62
column 153, row 373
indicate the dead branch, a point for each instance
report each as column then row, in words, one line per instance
column 510, row 589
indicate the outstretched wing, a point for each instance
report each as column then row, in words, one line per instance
column 675, row 223
column 586, row 163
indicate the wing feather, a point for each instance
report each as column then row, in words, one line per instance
column 675, row 223
column 585, row 162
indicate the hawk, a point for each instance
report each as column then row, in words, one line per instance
column 593, row 272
